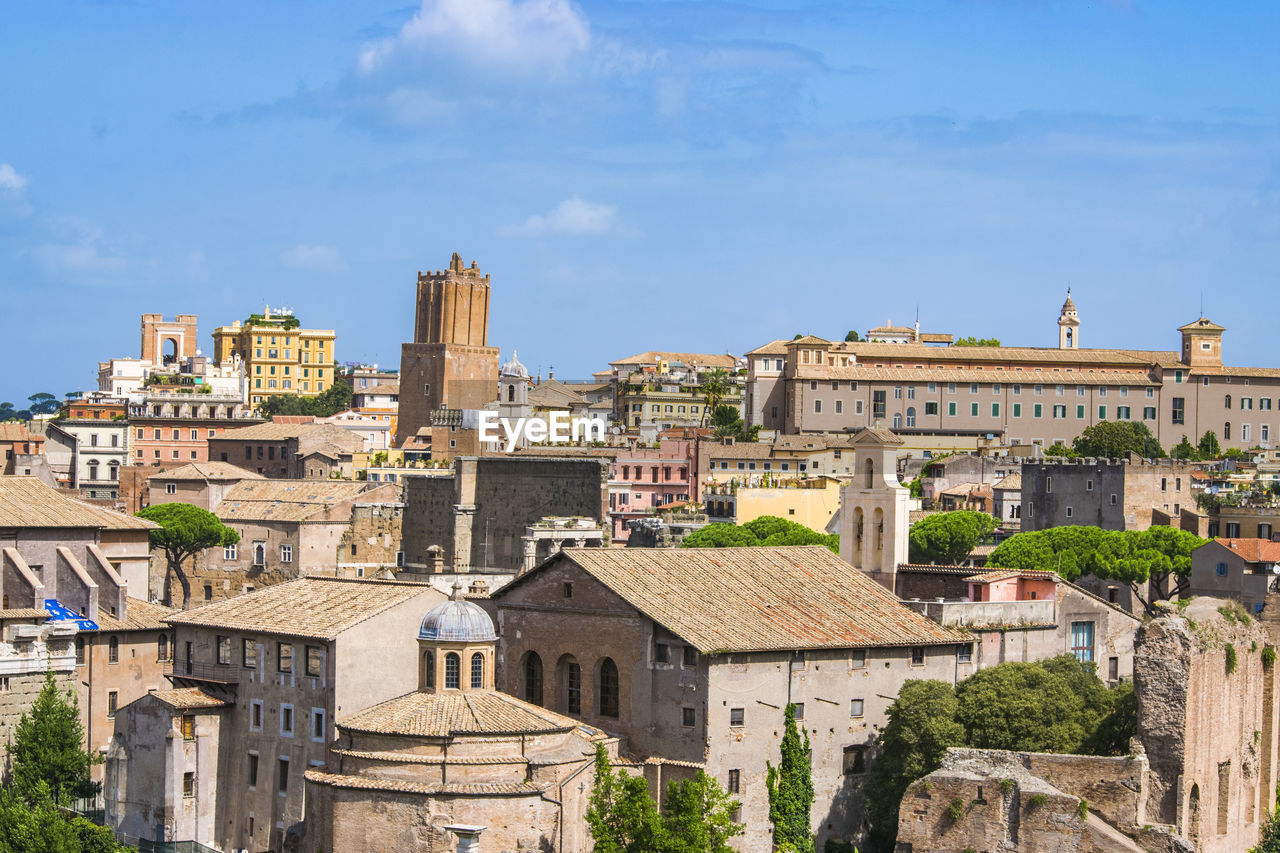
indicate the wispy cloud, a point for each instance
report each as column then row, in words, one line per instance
column 10, row 180
column 571, row 216
column 87, row 255
column 522, row 34
column 313, row 258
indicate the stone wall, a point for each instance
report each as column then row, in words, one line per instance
column 373, row 540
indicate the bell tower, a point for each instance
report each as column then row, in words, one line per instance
column 1069, row 325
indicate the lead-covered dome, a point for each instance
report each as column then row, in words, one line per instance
column 514, row 368
column 458, row 621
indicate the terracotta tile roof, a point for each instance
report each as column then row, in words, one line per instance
column 139, row 615
column 1051, row 355
column 1005, row 574
column 806, row 339
column 208, row 471
column 892, row 330
column 864, row 373
column 27, row 502
column 286, row 500
column 476, row 789
column 189, row 699
column 554, row 393
column 778, row 347
column 314, row 608
column 453, row 712
column 381, row 388
column 702, row 359
column 23, row 613
column 925, row 569
column 753, row 599
column 277, row 431
column 1011, row 483
column 1202, row 324
column 1253, row 550
column 740, row 450
column 11, row 431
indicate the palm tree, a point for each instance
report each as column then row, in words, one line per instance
column 715, row 385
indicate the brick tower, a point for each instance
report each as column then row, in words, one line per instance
column 450, row 364
column 168, row 341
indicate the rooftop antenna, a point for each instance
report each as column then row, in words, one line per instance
column 1202, row 303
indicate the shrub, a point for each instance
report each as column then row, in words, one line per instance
column 1082, row 809
column 1036, row 801
column 1231, row 658
column 1268, row 655
column 1006, row 786
column 955, row 810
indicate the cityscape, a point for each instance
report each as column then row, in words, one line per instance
column 414, row 537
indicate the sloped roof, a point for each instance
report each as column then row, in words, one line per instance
column 314, row 608
column 14, row 431
column 1011, row 483
column 702, row 359
column 552, row 392
column 27, row 502
column 407, row 786
column 283, row 429
column 449, row 712
column 1253, row 550
column 778, row 347
column 286, row 500
column 753, row 599
column 139, row 616
column 1203, row 324
column 208, row 471
column 189, row 699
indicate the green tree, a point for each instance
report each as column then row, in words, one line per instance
column 853, row 337
column 1157, row 559
column 698, row 816
column 47, row 754
column 280, row 404
column 1209, row 447
column 43, row 403
column 1020, row 706
column 790, row 787
column 1184, row 450
column 1119, row 726
column 921, row 726
column 1060, row 449
column 185, row 531
column 621, row 815
column 1270, row 841
column 336, row 398
column 976, row 342
column 720, row 536
column 1066, row 550
column 35, row 828
column 715, row 387
column 1116, row 440
column 727, row 423
column 949, row 537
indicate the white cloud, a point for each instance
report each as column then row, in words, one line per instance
column 571, row 216
column 85, row 258
column 313, row 258
column 10, row 180
column 525, row 34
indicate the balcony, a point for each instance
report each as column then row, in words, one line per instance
column 194, row 674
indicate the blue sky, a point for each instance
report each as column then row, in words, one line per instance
column 694, row 176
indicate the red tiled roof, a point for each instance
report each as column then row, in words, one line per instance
column 1253, row 550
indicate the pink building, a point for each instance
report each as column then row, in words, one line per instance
column 647, row 478
column 1012, row 586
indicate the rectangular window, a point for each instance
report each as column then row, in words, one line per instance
column 878, row 403
column 817, row 407
column 1102, row 413
column 839, row 407
column 687, row 717
column 931, row 408
column 253, row 769
column 286, row 720
column 690, row 656
column 855, row 760
column 661, row 653
column 1179, row 408
column 951, row 410
column 1148, row 413
column 249, row 654
column 859, row 659
column 995, row 410
column 315, row 661
column 856, row 707
column 113, row 698
column 188, row 727
column 284, row 657
column 1080, row 412
column 283, row 784
column 255, row 715
column 1017, row 410
column 964, row 653
column 224, row 651
column 1059, row 411
column 917, row 655
column 1082, row 640
column 734, row 785
column 799, row 710
column 973, row 410
column 737, row 717
column 1038, row 410
column 189, row 784
column 286, row 553
column 318, row 732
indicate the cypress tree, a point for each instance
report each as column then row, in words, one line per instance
column 791, row 790
column 48, row 749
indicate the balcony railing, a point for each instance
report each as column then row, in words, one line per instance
column 197, row 671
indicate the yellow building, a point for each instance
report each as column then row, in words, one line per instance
column 279, row 357
column 813, row 503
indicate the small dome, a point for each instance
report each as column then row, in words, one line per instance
column 1069, row 306
column 514, row 368
column 458, row 621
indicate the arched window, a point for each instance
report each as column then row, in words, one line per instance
column 1226, row 431
column 911, row 416
column 608, row 688
column 477, row 671
column 162, row 647
column 93, row 470
column 897, row 420
column 511, row 393
column 1227, row 403
column 429, row 669
column 573, row 688
column 533, row 678
column 113, row 650
column 870, row 469
column 452, row 671
column 79, row 644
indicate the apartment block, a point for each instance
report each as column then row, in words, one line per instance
column 279, row 357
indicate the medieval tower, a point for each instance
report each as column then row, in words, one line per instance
column 450, row 364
